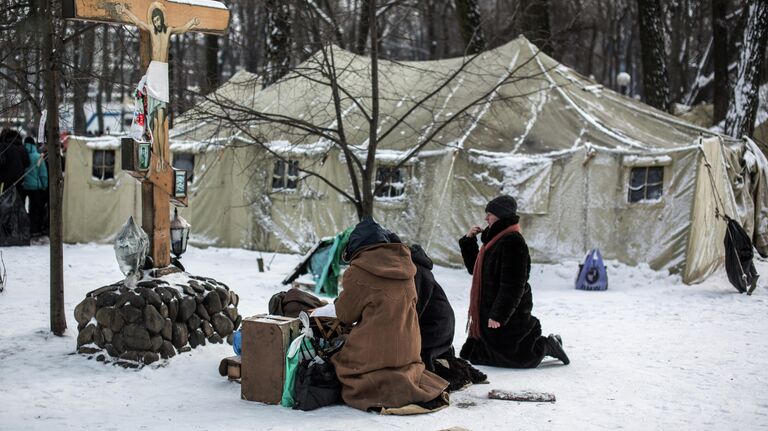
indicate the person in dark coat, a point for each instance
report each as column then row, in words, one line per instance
column 14, row 221
column 436, row 318
column 502, row 331
column 14, row 159
column 437, row 323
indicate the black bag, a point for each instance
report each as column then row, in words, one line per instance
column 738, row 258
column 316, row 386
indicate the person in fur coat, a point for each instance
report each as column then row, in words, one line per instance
column 502, row 331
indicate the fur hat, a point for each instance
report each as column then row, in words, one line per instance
column 503, row 207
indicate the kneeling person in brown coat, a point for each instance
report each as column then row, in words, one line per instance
column 380, row 364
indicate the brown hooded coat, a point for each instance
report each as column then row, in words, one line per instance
column 380, row 364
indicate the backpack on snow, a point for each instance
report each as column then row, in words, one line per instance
column 593, row 274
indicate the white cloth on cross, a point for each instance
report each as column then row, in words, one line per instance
column 157, row 80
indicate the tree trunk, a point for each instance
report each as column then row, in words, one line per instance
column 720, row 59
column 103, row 79
column 81, row 77
column 430, row 20
column 211, row 62
column 363, row 26
column 655, row 79
column 55, row 179
column 251, row 25
column 533, row 21
column 373, row 140
column 740, row 119
column 468, row 15
column 278, row 43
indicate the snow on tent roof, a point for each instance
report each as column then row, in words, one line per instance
column 543, row 107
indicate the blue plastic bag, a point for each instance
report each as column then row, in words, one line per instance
column 592, row 273
column 237, row 343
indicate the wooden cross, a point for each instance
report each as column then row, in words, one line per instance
column 157, row 20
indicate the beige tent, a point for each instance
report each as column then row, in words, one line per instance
column 589, row 167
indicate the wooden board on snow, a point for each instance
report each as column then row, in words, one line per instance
column 529, row 396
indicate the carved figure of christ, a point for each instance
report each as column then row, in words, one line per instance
column 157, row 73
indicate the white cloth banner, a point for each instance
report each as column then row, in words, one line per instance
column 41, row 127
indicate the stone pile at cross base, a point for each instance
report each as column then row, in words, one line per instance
column 157, row 319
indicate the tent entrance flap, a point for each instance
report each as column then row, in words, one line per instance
column 713, row 195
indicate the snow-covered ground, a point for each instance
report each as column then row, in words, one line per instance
column 650, row 353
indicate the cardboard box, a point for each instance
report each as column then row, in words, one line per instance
column 265, row 343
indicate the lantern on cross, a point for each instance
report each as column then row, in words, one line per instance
column 179, row 234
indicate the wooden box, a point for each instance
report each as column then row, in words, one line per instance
column 265, row 343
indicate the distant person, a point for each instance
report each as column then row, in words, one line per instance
column 14, row 159
column 380, row 365
column 14, row 221
column 35, row 186
column 502, row 331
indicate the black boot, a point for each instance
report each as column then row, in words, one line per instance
column 555, row 348
column 458, row 372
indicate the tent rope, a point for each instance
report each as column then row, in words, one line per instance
column 718, row 199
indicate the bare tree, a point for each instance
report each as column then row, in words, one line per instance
column 742, row 109
column 720, row 59
column 339, row 79
column 55, row 179
column 278, row 40
column 103, row 86
column 655, row 79
column 468, row 14
column 212, row 79
column 363, row 26
column 84, row 46
column 533, row 21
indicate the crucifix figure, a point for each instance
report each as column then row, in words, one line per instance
column 163, row 19
column 157, row 72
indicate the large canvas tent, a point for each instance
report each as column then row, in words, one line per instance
column 589, row 167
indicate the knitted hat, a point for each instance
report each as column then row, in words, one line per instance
column 503, row 207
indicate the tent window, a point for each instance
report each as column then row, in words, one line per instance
column 285, row 175
column 393, row 180
column 185, row 162
column 646, row 183
column 103, row 164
